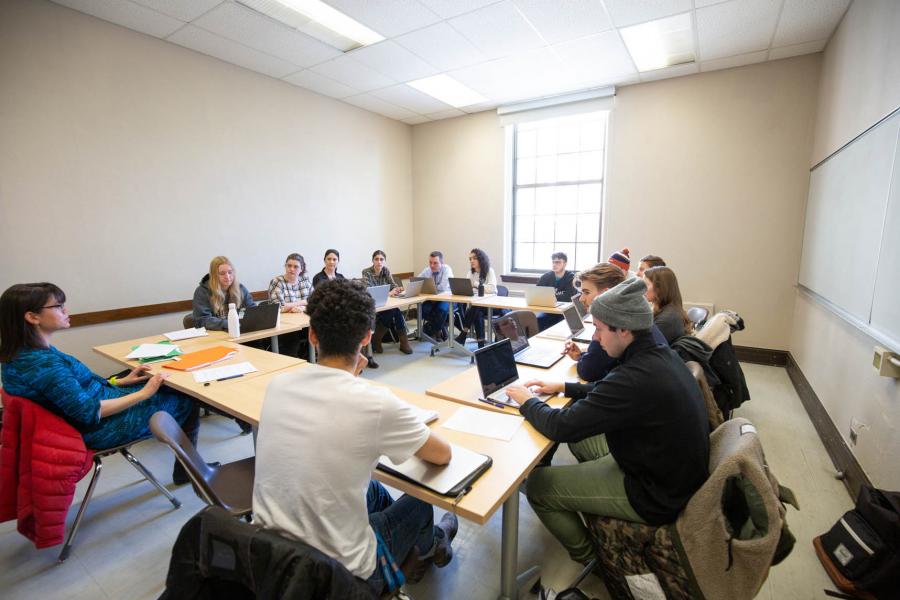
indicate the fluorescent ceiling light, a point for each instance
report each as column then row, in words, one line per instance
column 448, row 90
column 319, row 20
column 661, row 43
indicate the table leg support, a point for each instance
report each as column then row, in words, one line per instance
column 274, row 339
column 510, row 581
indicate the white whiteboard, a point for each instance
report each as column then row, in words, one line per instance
column 850, row 244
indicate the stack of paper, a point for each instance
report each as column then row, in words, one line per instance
column 148, row 353
column 226, row 372
column 186, row 334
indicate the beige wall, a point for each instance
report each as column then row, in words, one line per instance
column 127, row 162
column 860, row 84
column 709, row 171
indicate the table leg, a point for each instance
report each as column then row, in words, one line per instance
column 490, row 325
column 274, row 339
column 451, row 339
column 510, row 582
column 312, row 353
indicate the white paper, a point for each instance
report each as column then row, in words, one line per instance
column 152, row 350
column 186, row 334
column 485, row 423
column 215, row 373
column 426, row 416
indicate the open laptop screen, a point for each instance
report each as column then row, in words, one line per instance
column 496, row 366
column 576, row 302
column 573, row 319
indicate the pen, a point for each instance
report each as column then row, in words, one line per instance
column 492, row 402
column 230, row 377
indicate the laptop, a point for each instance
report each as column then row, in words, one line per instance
column 452, row 479
column 379, row 294
column 428, row 286
column 541, row 295
column 262, row 316
column 461, row 286
column 582, row 311
column 523, row 352
column 412, row 290
column 497, row 370
column 576, row 325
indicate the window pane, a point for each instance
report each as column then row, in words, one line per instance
column 568, row 250
column 527, row 143
column 544, row 229
column 524, row 228
column 568, row 138
column 525, row 171
column 542, row 253
column 546, row 169
column 523, row 256
column 589, row 227
column 525, row 201
column 592, row 135
column 567, row 167
column 585, row 256
column 589, row 198
column 545, row 200
column 565, row 228
column 566, row 199
column 546, row 141
column 591, row 165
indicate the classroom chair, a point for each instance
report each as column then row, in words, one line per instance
column 229, row 486
column 712, row 409
column 526, row 319
column 187, row 321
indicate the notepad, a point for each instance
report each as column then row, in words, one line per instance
column 448, row 480
column 202, row 358
column 484, row 423
column 186, row 334
column 151, row 351
column 225, row 372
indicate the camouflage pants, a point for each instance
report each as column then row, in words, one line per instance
column 596, row 486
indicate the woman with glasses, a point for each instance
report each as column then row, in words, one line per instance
column 290, row 291
column 107, row 413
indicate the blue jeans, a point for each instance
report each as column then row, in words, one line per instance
column 474, row 317
column 392, row 319
column 434, row 314
column 402, row 524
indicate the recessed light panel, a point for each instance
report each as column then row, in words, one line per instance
column 661, row 43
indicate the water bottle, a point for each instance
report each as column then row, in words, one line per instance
column 234, row 323
column 480, row 288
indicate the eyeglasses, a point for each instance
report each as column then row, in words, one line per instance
column 59, row 306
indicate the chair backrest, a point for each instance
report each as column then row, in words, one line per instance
column 697, row 315
column 712, row 409
column 187, row 321
column 167, row 430
column 502, row 290
column 527, row 321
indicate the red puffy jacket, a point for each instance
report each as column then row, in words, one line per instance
column 41, row 459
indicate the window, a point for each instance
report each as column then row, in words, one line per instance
column 557, row 195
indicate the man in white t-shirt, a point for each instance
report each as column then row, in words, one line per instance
column 321, row 433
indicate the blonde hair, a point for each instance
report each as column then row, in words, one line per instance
column 603, row 275
column 666, row 292
column 219, row 298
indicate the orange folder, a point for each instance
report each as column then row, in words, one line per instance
column 201, row 358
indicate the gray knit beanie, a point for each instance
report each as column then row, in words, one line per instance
column 624, row 306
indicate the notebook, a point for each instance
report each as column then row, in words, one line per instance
column 452, row 479
column 202, row 358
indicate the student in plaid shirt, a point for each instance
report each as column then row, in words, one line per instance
column 379, row 274
column 291, row 291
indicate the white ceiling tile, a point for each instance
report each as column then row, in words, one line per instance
column 183, row 10
column 417, row 120
column 733, row 61
column 797, row 50
column 377, row 105
column 452, row 8
column 629, row 12
column 736, row 27
column 675, row 71
column 808, row 20
column 481, row 106
column 321, row 84
column 393, row 60
column 230, row 51
column 390, row 18
column 411, row 98
column 527, row 75
column 597, row 59
column 349, row 72
column 702, row 3
column 498, row 30
column 127, row 14
column 252, row 29
column 442, row 46
column 446, row 114
column 562, row 21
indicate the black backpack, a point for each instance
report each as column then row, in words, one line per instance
column 861, row 553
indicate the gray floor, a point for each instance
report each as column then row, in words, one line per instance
column 123, row 548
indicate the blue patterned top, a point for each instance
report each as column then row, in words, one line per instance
column 64, row 385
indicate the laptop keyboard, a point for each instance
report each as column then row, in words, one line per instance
column 536, row 355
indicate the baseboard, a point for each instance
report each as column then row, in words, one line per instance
column 843, row 459
column 761, row 356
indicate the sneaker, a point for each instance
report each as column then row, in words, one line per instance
column 414, row 567
column 461, row 338
column 481, row 343
column 372, row 364
column 444, row 532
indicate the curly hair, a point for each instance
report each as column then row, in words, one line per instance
column 484, row 263
column 299, row 258
column 21, row 298
column 341, row 312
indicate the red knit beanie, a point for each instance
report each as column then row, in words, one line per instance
column 621, row 260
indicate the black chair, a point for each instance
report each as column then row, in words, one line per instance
column 229, row 486
column 99, row 455
column 502, row 290
column 187, row 321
